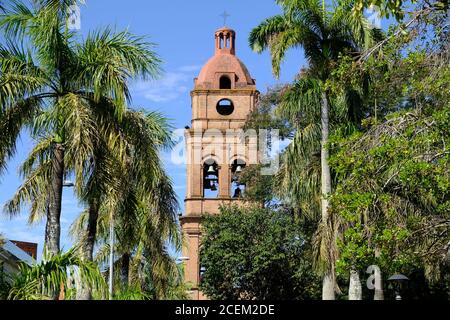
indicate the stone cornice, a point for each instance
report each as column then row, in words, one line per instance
column 211, row 199
column 225, row 92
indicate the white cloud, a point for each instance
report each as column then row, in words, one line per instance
column 172, row 85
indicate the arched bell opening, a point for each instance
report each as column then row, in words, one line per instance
column 221, row 41
column 237, row 189
column 210, row 179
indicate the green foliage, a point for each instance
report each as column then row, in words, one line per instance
column 74, row 95
column 256, row 253
column 324, row 35
column 145, row 223
column 395, row 181
column 396, row 8
column 386, row 7
column 264, row 116
column 389, row 146
column 43, row 280
column 5, row 283
column 322, row 32
column 261, row 188
column 69, row 93
column 150, row 280
column 258, row 187
column 304, row 180
column 131, row 293
column 393, row 193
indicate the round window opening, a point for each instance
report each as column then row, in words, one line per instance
column 225, row 107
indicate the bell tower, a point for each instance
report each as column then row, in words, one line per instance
column 217, row 148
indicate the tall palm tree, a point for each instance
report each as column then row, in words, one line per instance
column 144, row 210
column 59, row 88
column 134, row 192
column 323, row 35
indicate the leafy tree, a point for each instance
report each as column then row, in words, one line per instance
column 394, row 200
column 323, row 35
column 386, row 7
column 392, row 195
column 261, row 188
column 256, row 253
column 264, row 116
column 395, row 8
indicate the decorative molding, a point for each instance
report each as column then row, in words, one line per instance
column 224, row 92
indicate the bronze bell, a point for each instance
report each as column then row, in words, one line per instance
column 237, row 193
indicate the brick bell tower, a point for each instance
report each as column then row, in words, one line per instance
column 217, row 149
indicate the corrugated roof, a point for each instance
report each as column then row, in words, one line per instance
column 18, row 253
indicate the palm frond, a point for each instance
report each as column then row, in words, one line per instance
column 15, row 19
column 301, row 101
column 34, row 190
column 11, row 123
column 261, row 37
column 20, row 77
column 108, row 60
column 45, row 279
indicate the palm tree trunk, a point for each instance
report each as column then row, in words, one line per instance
column 378, row 294
column 328, row 288
column 53, row 224
column 355, row 288
column 91, row 231
column 125, row 269
column 88, row 250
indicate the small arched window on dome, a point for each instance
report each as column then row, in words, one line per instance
column 225, row 82
column 225, row 107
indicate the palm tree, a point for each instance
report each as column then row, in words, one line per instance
column 145, row 223
column 134, row 192
column 63, row 90
column 40, row 281
column 323, row 35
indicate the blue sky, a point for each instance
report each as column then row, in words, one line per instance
column 184, row 34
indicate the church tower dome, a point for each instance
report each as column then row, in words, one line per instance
column 223, row 64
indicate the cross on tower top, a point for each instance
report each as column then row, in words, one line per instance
column 225, row 16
